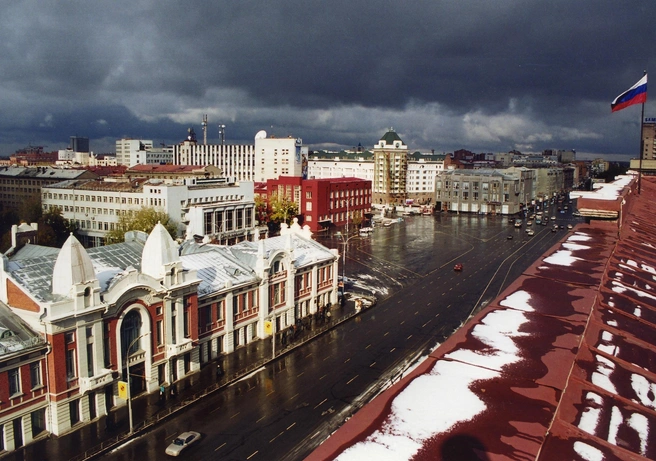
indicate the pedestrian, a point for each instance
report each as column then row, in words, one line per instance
column 162, row 390
column 173, row 392
column 219, row 370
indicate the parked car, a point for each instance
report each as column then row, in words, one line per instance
column 509, row 237
column 531, row 232
column 181, row 442
column 569, row 226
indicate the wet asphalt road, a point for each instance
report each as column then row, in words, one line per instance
column 286, row 409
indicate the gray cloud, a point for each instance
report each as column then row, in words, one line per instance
column 473, row 74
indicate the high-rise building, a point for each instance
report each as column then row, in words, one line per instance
column 390, row 170
column 275, row 157
column 130, row 152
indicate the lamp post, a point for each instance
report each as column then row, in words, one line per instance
column 345, row 243
column 127, row 361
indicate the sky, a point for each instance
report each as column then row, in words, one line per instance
column 486, row 76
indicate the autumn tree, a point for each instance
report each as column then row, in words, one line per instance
column 262, row 211
column 283, row 209
column 144, row 220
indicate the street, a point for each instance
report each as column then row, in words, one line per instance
column 286, row 409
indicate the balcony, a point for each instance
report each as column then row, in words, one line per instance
column 173, row 350
column 90, row 383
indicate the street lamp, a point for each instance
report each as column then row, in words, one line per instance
column 127, row 360
column 345, row 243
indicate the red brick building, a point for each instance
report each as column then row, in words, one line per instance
column 325, row 202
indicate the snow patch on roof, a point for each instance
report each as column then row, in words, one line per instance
column 415, row 418
column 561, row 258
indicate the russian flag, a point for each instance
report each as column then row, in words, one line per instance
column 635, row 95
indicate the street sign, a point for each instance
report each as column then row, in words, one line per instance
column 122, row 390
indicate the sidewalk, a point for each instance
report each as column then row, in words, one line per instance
column 107, row 432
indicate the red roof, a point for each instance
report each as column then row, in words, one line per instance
column 570, row 373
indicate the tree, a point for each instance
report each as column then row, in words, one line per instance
column 262, row 211
column 283, row 210
column 54, row 229
column 144, row 220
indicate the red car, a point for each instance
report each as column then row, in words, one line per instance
column 457, row 267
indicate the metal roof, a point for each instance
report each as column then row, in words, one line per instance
column 562, row 366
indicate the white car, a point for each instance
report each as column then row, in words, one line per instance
column 181, row 442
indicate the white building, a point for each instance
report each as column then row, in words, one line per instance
column 95, row 206
column 422, row 169
column 341, row 167
column 130, row 152
column 235, row 160
column 153, row 310
column 275, row 157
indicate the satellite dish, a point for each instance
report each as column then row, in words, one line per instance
column 261, row 135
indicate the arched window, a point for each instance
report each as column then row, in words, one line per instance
column 130, row 330
column 278, row 267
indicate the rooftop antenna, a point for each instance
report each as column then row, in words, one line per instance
column 204, row 124
column 222, row 134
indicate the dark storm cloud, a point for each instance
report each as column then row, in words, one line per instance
column 481, row 75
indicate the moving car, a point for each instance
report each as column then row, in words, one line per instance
column 569, row 226
column 181, row 442
column 509, row 237
column 457, row 267
column 531, row 232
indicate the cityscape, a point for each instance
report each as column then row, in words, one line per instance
column 351, row 231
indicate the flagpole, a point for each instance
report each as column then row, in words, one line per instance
column 642, row 117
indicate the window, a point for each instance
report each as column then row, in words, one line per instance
column 14, row 382
column 35, row 374
column 90, row 359
column 69, row 336
column 159, row 332
column 70, row 364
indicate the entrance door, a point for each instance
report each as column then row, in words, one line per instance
column 18, row 432
column 92, row 405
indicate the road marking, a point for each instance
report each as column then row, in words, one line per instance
column 235, row 415
column 416, row 312
column 308, row 355
column 426, row 323
column 437, row 315
column 373, row 363
column 275, row 437
column 270, row 393
column 386, row 334
column 322, row 377
column 368, row 346
column 299, row 375
column 220, row 446
column 393, row 349
column 259, row 419
column 320, row 403
column 352, row 379
column 216, row 409
column 254, row 453
column 326, row 358
column 315, row 434
column 293, row 396
column 402, row 322
column 292, row 425
column 347, row 360
column 408, row 337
